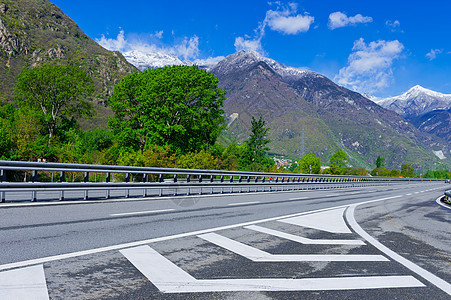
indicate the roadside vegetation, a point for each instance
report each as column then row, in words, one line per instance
column 166, row 117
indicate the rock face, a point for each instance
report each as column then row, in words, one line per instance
column 333, row 117
column 33, row 32
column 437, row 122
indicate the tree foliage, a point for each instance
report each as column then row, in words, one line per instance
column 178, row 106
column 309, row 164
column 255, row 151
column 407, row 170
column 380, row 162
column 59, row 92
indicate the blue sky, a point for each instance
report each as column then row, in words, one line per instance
column 378, row 47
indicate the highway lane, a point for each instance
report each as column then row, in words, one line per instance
column 32, row 232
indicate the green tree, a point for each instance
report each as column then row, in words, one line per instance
column 178, row 106
column 59, row 92
column 338, row 161
column 407, row 171
column 255, row 152
column 309, row 164
column 380, row 162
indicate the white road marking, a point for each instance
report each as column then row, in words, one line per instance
column 174, row 280
column 442, row 204
column 303, row 240
column 330, row 221
column 331, row 195
column 299, row 198
column 142, row 212
column 409, row 194
column 243, row 203
column 22, row 284
column 168, row 237
column 438, row 282
column 258, row 255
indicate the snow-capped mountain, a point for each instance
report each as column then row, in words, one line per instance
column 416, row 101
column 151, row 60
column 241, row 60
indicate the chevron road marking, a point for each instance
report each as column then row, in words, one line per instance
column 255, row 254
column 329, row 220
column 303, row 240
column 23, row 284
column 169, row 278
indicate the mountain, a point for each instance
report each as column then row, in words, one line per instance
column 416, row 101
column 437, row 122
column 34, row 32
column 333, row 117
column 427, row 110
column 152, row 60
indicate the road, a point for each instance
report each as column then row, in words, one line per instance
column 373, row 242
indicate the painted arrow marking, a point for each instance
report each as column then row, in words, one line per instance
column 169, row 278
column 258, row 255
column 303, row 240
column 329, row 220
column 25, row 283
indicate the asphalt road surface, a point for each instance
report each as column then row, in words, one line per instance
column 385, row 242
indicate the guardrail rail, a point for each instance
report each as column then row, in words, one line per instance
column 39, row 177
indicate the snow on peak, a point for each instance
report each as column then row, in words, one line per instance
column 417, row 100
column 243, row 59
column 151, row 60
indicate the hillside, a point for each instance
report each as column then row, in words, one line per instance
column 33, row 32
column 333, row 117
column 437, row 122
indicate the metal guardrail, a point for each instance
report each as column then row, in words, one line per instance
column 165, row 180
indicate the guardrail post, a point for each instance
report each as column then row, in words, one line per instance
column 34, row 178
column 62, row 179
column 86, row 179
column 107, row 179
column 127, row 177
column 2, row 179
column 222, row 180
column 175, row 177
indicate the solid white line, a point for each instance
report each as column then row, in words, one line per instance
column 142, row 212
column 438, row 282
column 303, row 240
column 442, row 204
column 25, row 283
column 169, row 278
column 330, row 221
column 165, row 238
column 410, row 194
column 258, row 255
column 243, row 203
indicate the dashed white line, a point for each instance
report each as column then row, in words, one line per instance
column 299, row 198
column 243, row 203
column 142, row 212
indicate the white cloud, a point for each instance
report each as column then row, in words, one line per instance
column 208, row 61
column 117, row 44
column 393, row 24
column 284, row 19
column 338, row 19
column 186, row 48
column 370, row 65
column 431, row 55
column 247, row 43
column 158, row 34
